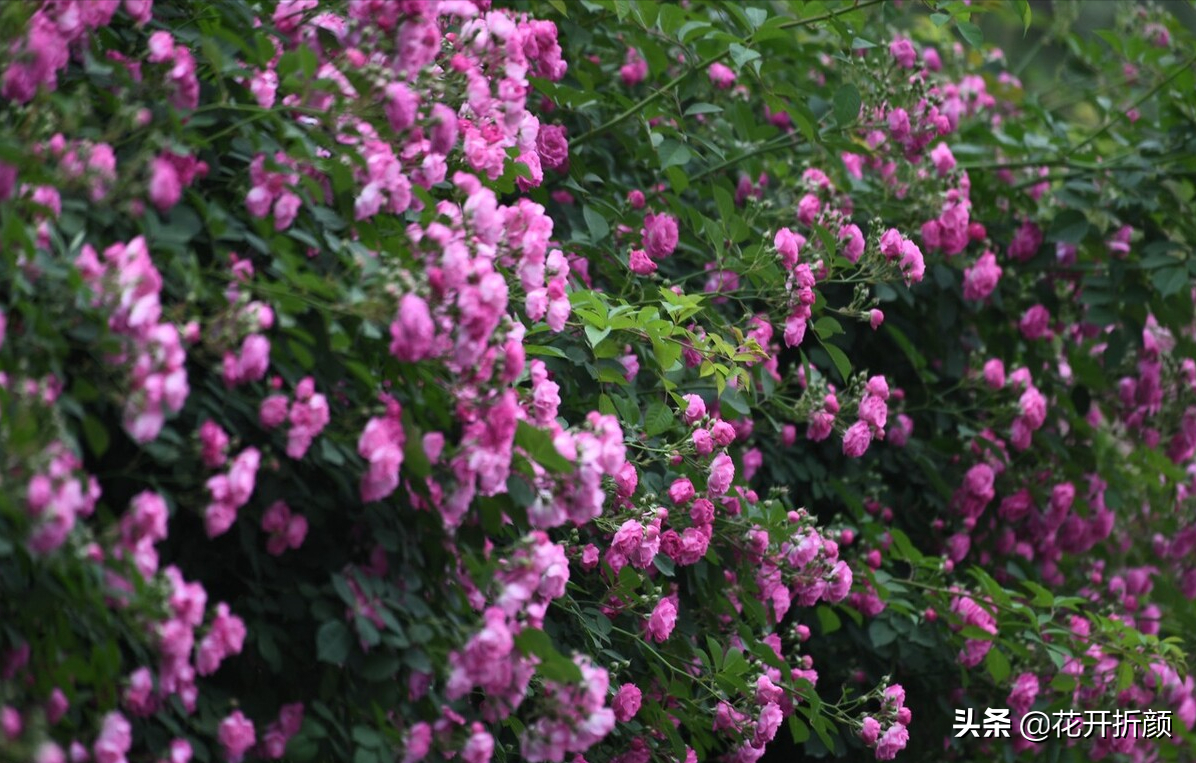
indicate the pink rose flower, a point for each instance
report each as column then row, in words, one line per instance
column 165, row 188
column 722, row 472
column 857, row 439
column 634, row 68
column 553, row 148
column 869, row 731
column 419, row 742
column 662, row 620
column 641, row 263
column 855, row 242
column 721, row 75
column 479, row 747
column 903, row 53
column 236, row 736
column 788, row 244
column 893, row 742
column 627, row 702
column 412, row 332
column 1035, row 323
column 943, row 159
column 660, row 235
column 681, row 491
column 981, row 279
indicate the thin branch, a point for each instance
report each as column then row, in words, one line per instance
column 1142, row 99
column 648, row 100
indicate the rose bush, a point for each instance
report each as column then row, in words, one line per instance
column 601, row 380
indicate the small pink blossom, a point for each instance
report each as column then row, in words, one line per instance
column 857, row 439
column 641, row 263
column 869, row 731
column 626, row 702
column 721, row 75
column 722, row 472
column 894, row 740
column 944, row 160
column 660, row 235
column 165, row 188
column 981, row 279
column 695, row 409
column 236, row 736
column 903, row 53
column 662, row 620
column 634, row 68
column 681, row 491
column 1035, row 323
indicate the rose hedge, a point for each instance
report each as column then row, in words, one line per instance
column 417, row 379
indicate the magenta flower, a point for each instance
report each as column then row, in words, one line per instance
column 626, row 702
column 662, row 620
column 903, row 53
column 660, row 235
column 236, row 736
column 721, row 75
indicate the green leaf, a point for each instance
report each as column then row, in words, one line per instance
column 736, row 401
column 829, row 242
column 847, row 104
column 673, row 153
column 595, row 335
column 716, row 652
column 538, row 349
column 333, row 642
column 828, row 620
column 367, row 737
column 553, row 665
column 1069, row 227
column 915, row 358
column 671, row 18
column 971, row 33
column 826, row 326
column 599, row 228
column 839, row 358
column 606, row 406
column 997, row 664
column 742, row 56
column 96, row 434
column 520, row 491
column 905, row 549
column 667, row 353
column 1027, row 15
column 341, row 586
column 664, row 564
column 724, row 202
column 1125, row 675
column 881, row 633
column 657, row 419
column 366, row 755
column 539, row 446
column 1169, row 280
column 798, row 730
column 734, row 663
column 301, row 354
column 821, row 726
column 976, row 633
